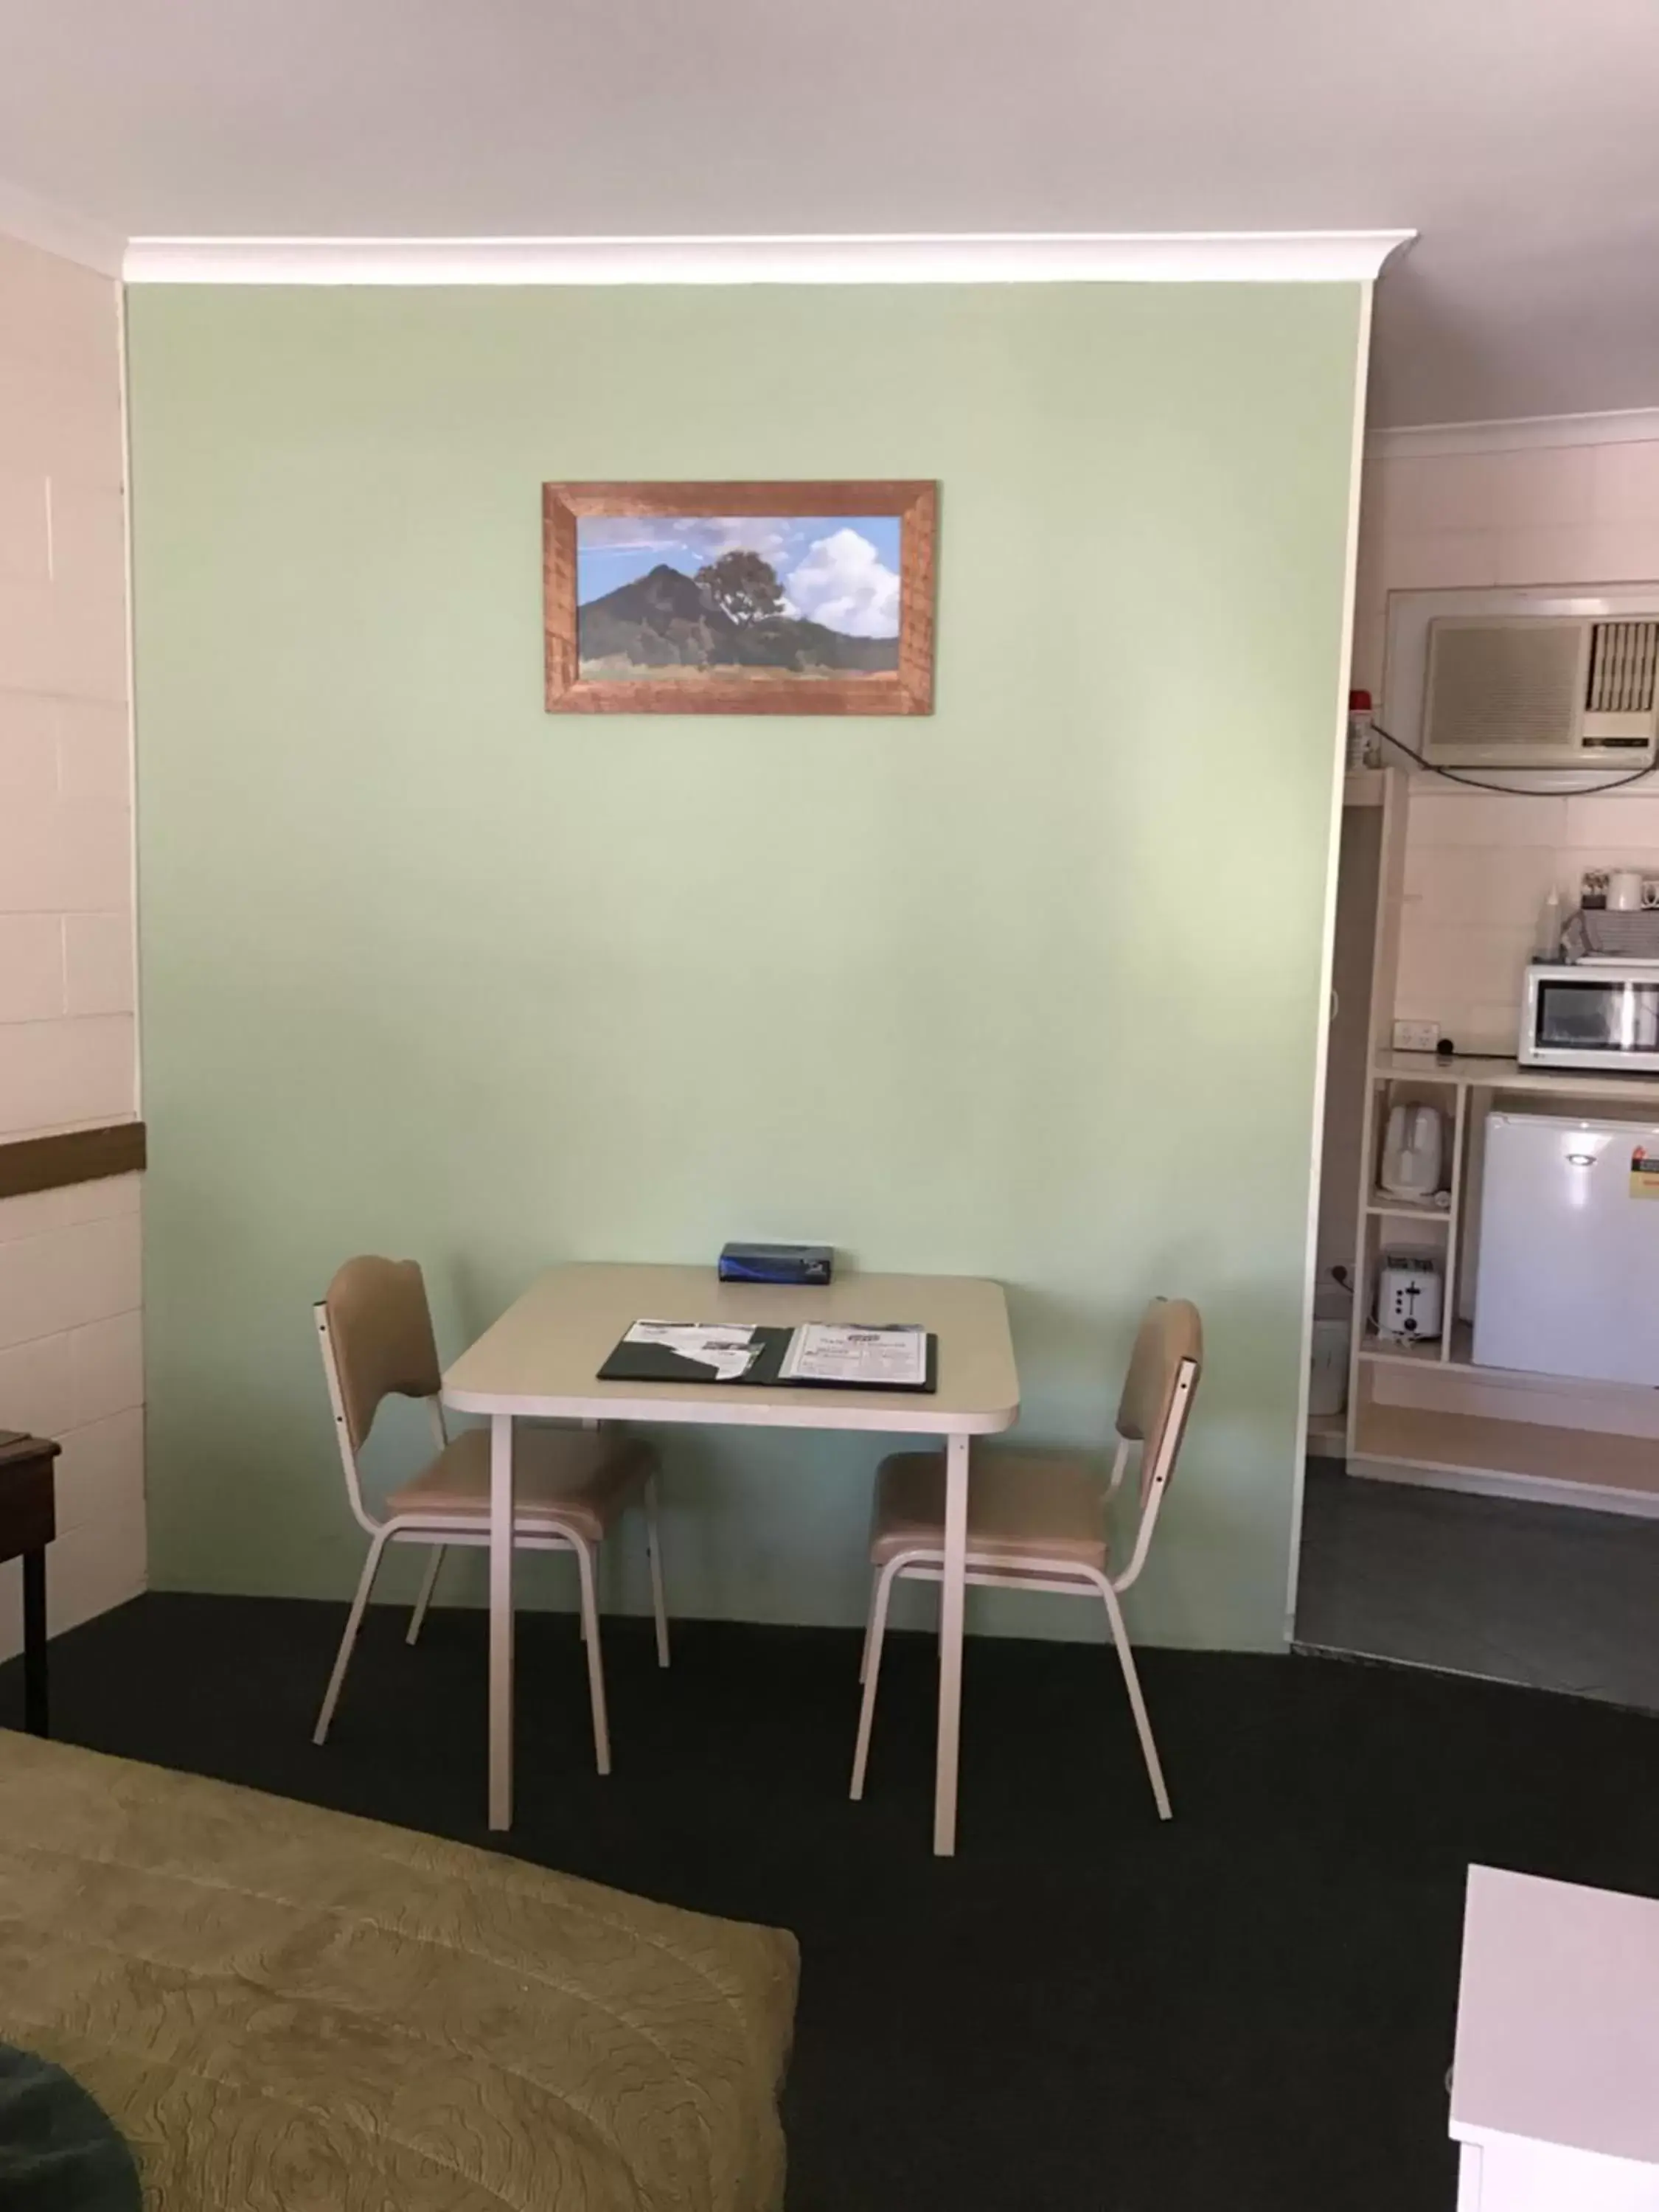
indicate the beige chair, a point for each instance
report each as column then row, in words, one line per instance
column 1038, row 1522
column 570, row 1485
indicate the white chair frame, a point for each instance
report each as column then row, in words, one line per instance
column 532, row 1532
column 1065, row 1578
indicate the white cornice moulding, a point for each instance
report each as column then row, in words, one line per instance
column 1525, row 432
column 34, row 221
column 1173, row 258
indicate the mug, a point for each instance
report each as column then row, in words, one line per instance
column 1650, row 891
column 1625, row 891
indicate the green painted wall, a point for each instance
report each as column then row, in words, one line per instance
column 1028, row 989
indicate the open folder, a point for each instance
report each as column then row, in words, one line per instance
column 813, row 1355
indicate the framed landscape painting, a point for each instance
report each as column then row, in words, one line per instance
column 739, row 598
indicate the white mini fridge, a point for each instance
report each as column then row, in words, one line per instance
column 1568, row 1281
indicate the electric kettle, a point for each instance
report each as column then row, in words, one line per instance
column 1412, row 1152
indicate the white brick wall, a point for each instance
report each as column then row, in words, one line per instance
column 70, row 1363
column 1479, row 867
column 1561, row 514
column 71, row 1366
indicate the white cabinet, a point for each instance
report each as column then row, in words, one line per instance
column 1553, row 2096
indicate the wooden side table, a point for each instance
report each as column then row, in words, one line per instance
column 28, row 1524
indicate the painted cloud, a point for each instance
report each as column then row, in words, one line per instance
column 844, row 584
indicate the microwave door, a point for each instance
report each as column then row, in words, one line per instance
column 1579, row 1017
column 1598, row 1018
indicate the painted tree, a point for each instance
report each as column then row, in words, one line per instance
column 742, row 586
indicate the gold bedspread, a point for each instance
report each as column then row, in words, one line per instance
column 288, row 2008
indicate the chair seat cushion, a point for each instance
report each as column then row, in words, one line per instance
column 1021, row 1506
column 577, row 1479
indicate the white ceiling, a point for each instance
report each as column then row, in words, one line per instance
column 1519, row 137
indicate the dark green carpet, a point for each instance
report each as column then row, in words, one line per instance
column 1084, row 2012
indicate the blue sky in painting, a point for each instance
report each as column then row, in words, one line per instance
column 839, row 569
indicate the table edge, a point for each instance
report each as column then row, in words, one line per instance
column 1483, row 2137
column 834, row 1410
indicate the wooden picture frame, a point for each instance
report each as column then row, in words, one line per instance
column 785, row 661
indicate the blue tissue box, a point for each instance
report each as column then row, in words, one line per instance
column 802, row 1264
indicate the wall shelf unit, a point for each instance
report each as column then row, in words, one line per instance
column 1424, row 1413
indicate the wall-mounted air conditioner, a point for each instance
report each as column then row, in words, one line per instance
column 1526, row 679
column 1541, row 691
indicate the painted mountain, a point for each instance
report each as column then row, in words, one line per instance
column 664, row 623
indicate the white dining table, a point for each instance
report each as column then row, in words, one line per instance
column 540, row 1361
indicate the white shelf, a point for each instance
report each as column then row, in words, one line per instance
column 1394, row 1351
column 1364, row 787
column 1491, row 1073
column 1406, row 1209
column 1423, row 1068
column 1585, row 1466
column 1401, row 1351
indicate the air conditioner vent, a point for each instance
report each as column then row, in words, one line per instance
column 1541, row 690
column 1624, row 658
column 1504, row 683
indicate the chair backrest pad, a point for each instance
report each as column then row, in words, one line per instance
column 1169, row 1334
column 381, row 1328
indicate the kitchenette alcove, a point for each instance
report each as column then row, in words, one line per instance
column 1488, row 1269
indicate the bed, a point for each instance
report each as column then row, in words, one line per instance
column 288, row 2008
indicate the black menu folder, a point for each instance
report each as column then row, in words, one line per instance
column 660, row 1363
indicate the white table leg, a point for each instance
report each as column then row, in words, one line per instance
column 501, row 1621
column 952, row 1598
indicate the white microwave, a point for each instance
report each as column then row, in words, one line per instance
column 1601, row 1014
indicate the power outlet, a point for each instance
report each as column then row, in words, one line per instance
column 1416, row 1036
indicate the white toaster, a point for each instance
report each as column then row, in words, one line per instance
column 1409, row 1297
